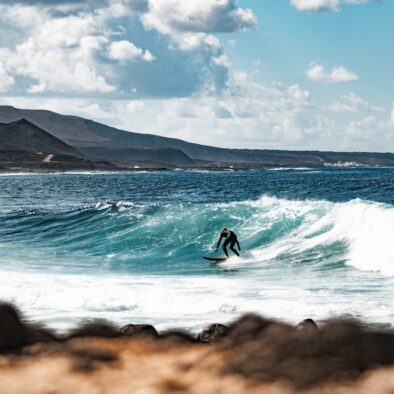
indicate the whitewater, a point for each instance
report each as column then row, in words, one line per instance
column 127, row 247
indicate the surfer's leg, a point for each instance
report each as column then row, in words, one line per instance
column 232, row 248
column 226, row 242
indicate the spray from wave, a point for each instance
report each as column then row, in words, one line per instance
column 356, row 232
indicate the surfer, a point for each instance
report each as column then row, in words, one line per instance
column 230, row 239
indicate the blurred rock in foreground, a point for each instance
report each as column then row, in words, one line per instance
column 252, row 355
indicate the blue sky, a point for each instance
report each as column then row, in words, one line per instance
column 286, row 41
column 291, row 74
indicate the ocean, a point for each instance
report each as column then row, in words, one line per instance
column 128, row 247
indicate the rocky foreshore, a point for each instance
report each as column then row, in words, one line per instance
column 251, row 355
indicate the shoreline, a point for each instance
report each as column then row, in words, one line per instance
column 253, row 354
column 28, row 171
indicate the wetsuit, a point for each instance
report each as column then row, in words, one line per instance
column 230, row 239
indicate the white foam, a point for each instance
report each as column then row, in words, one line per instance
column 14, row 174
column 63, row 300
column 112, row 204
column 366, row 228
column 60, row 173
column 369, row 229
column 347, row 164
column 290, row 169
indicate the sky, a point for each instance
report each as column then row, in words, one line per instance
column 267, row 74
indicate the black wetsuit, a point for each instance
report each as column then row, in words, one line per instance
column 231, row 239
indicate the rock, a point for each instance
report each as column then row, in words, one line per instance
column 307, row 324
column 341, row 350
column 177, row 337
column 145, row 330
column 94, row 329
column 213, row 333
column 247, row 328
column 38, row 334
column 12, row 333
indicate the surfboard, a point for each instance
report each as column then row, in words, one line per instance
column 217, row 259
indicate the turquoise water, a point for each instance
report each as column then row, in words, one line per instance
column 128, row 247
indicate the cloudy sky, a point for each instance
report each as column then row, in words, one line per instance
column 291, row 74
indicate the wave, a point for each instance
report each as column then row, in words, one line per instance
column 291, row 169
column 357, row 232
column 163, row 238
column 134, row 262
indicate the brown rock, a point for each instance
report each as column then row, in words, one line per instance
column 12, row 333
column 213, row 333
column 94, row 329
column 145, row 330
column 307, row 324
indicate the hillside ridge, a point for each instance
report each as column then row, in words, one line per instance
column 97, row 141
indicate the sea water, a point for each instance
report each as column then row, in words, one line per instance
column 128, row 247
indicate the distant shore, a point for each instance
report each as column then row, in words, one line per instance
column 29, row 170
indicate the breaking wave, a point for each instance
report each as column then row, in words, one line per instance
column 170, row 238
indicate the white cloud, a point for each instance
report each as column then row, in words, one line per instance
column 360, row 128
column 353, row 103
column 73, row 48
column 6, row 80
column 208, row 16
column 58, row 55
column 391, row 120
column 360, row 1
column 125, row 50
column 317, row 73
column 67, row 6
column 315, row 5
column 190, row 23
column 249, row 115
column 325, row 5
column 371, row 133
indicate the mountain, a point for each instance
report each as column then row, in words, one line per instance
column 24, row 136
column 129, row 149
column 24, row 145
column 100, row 142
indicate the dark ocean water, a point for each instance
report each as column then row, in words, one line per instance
column 128, row 247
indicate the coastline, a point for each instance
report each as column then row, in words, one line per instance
column 251, row 355
column 119, row 170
